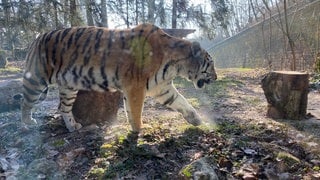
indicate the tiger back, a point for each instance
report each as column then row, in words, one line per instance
column 139, row 61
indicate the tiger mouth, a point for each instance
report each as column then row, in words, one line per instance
column 202, row 82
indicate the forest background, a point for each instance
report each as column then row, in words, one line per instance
column 273, row 34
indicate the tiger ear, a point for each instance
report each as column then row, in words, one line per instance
column 196, row 49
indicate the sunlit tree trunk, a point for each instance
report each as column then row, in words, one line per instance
column 65, row 13
column 73, row 13
column 151, row 11
column 104, row 17
column 137, row 11
column 75, row 19
column 253, row 10
column 174, row 14
column 89, row 13
column 266, row 57
column 127, row 14
column 288, row 34
column 143, row 11
column 8, row 26
column 56, row 19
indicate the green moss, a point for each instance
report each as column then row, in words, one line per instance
column 187, row 171
column 106, row 146
column 97, row 173
column 289, row 159
column 316, row 168
column 121, row 139
column 59, row 143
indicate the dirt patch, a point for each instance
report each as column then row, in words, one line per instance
column 236, row 135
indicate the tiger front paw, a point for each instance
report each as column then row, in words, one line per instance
column 193, row 118
column 74, row 127
column 29, row 121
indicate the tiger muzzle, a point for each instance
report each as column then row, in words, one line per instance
column 208, row 80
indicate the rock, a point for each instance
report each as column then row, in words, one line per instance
column 66, row 159
column 315, row 176
column 42, row 169
column 202, row 169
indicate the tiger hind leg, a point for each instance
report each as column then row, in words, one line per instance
column 31, row 96
column 67, row 98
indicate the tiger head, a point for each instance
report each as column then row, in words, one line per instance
column 200, row 67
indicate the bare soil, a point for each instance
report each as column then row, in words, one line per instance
column 243, row 142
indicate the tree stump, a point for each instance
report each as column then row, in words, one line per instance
column 286, row 93
column 95, row 107
column 10, row 95
column 3, row 61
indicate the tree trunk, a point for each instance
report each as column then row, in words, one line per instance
column 174, row 14
column 75, row 19
column 151, row 11
column 65, row 13
column 55, row 12
column 290, row 40
column 73, row 13
column 286, row 93
column 89, row 13
column 104, row 17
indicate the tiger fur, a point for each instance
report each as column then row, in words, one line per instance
column 140, row 62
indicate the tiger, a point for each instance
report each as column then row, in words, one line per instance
column 139, row 62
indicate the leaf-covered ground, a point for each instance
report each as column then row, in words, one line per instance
column 237, row 136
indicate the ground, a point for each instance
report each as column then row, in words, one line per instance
column 237, row 136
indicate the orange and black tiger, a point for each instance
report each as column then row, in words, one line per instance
column 140, row 62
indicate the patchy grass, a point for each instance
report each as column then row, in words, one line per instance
column 155, row 147
column 182, row 83
column 240, row 140
column 10, row 70
column 221, row 87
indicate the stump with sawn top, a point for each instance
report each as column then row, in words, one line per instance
column 286, row 93
column 95, row 107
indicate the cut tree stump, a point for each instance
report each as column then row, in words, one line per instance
column 96, row 107
column 287, row 94
column 10, row 95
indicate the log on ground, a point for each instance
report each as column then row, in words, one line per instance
column 286, row 93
